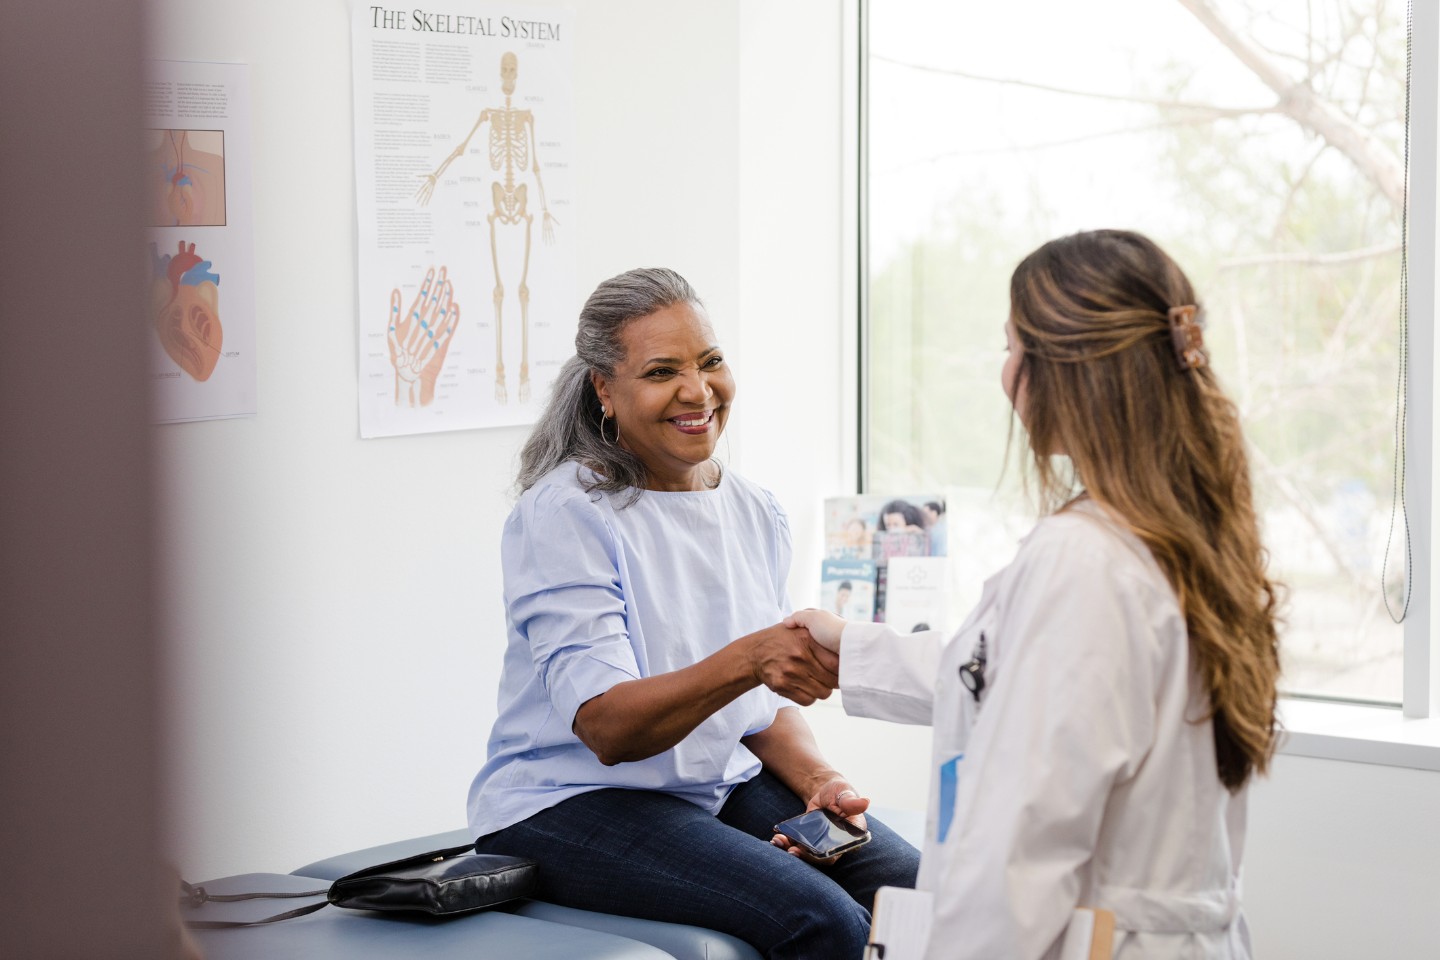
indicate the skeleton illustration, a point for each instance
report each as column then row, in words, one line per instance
column 512, row 150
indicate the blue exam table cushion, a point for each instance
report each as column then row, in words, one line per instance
column 335, row 933
column 678, row 940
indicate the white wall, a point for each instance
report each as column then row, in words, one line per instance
column 321, row 707
column 1344, row 862
column 334, row 604
column 292, row 595
column 793, row 317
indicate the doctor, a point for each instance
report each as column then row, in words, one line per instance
column 1100, row 713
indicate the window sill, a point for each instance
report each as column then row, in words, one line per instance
column 1359, row 734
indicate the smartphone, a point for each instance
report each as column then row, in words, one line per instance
column 822, row 833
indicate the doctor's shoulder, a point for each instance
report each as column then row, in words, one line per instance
column 1084, row 528
column 1083, row 548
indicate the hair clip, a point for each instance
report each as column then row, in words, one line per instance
column 1187, row 327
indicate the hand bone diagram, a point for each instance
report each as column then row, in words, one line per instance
column 185, row 308
column 420, row 338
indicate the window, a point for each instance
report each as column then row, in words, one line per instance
column 987, row 137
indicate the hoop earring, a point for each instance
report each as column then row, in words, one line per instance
column 605, row 415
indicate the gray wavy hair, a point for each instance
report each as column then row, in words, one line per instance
column 569, row 429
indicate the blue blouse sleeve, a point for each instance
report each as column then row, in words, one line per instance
column 784, row 553
column 564, row 596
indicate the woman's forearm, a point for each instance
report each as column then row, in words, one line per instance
column 637, row 719
column 787, row 748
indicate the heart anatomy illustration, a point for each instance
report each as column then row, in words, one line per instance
column 185, row 307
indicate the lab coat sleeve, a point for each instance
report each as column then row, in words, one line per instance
column 1069, row 714
column 888, row 675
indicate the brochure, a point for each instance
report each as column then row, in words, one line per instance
column 847, row 588
column 915, row 593
column 851, row 525
column 876, row 530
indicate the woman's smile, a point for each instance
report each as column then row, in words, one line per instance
column 694, row 423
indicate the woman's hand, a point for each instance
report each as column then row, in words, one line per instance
column 838, row 796
column 784, row 659
column 824, row 628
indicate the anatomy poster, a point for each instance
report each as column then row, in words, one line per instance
column 464, row 135
column 200, row 261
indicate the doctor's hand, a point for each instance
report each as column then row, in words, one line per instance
column 825, row 628
column 838, row 796
column 783, row 659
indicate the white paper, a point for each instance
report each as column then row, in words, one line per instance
column 464, row 137
column 201, row 258
column 902, row 918
column 1076, row 945
column 915, row 592
column 901, row 923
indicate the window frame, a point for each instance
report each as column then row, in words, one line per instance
column 1318, row 726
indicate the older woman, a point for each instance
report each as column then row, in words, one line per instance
column 648, row 739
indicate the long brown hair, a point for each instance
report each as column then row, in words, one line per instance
column 1158, row 444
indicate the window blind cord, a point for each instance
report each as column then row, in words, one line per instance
column 1397, row 484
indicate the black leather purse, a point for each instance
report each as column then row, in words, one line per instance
column 439, row 883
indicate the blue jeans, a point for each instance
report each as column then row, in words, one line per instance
column 651, row 855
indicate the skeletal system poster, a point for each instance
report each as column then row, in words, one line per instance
column 201, row 308
column 464, row 119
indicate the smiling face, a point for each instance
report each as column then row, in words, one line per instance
column 670, row 396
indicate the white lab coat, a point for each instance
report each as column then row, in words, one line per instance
column 1085, row 775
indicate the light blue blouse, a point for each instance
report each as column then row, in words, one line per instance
column 597, row 593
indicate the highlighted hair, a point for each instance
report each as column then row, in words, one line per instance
column 1161, row 448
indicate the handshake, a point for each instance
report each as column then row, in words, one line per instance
column 798, row 658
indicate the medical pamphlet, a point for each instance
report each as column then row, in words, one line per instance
column 882, row 530
column 847, row 588
column 915, row 593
